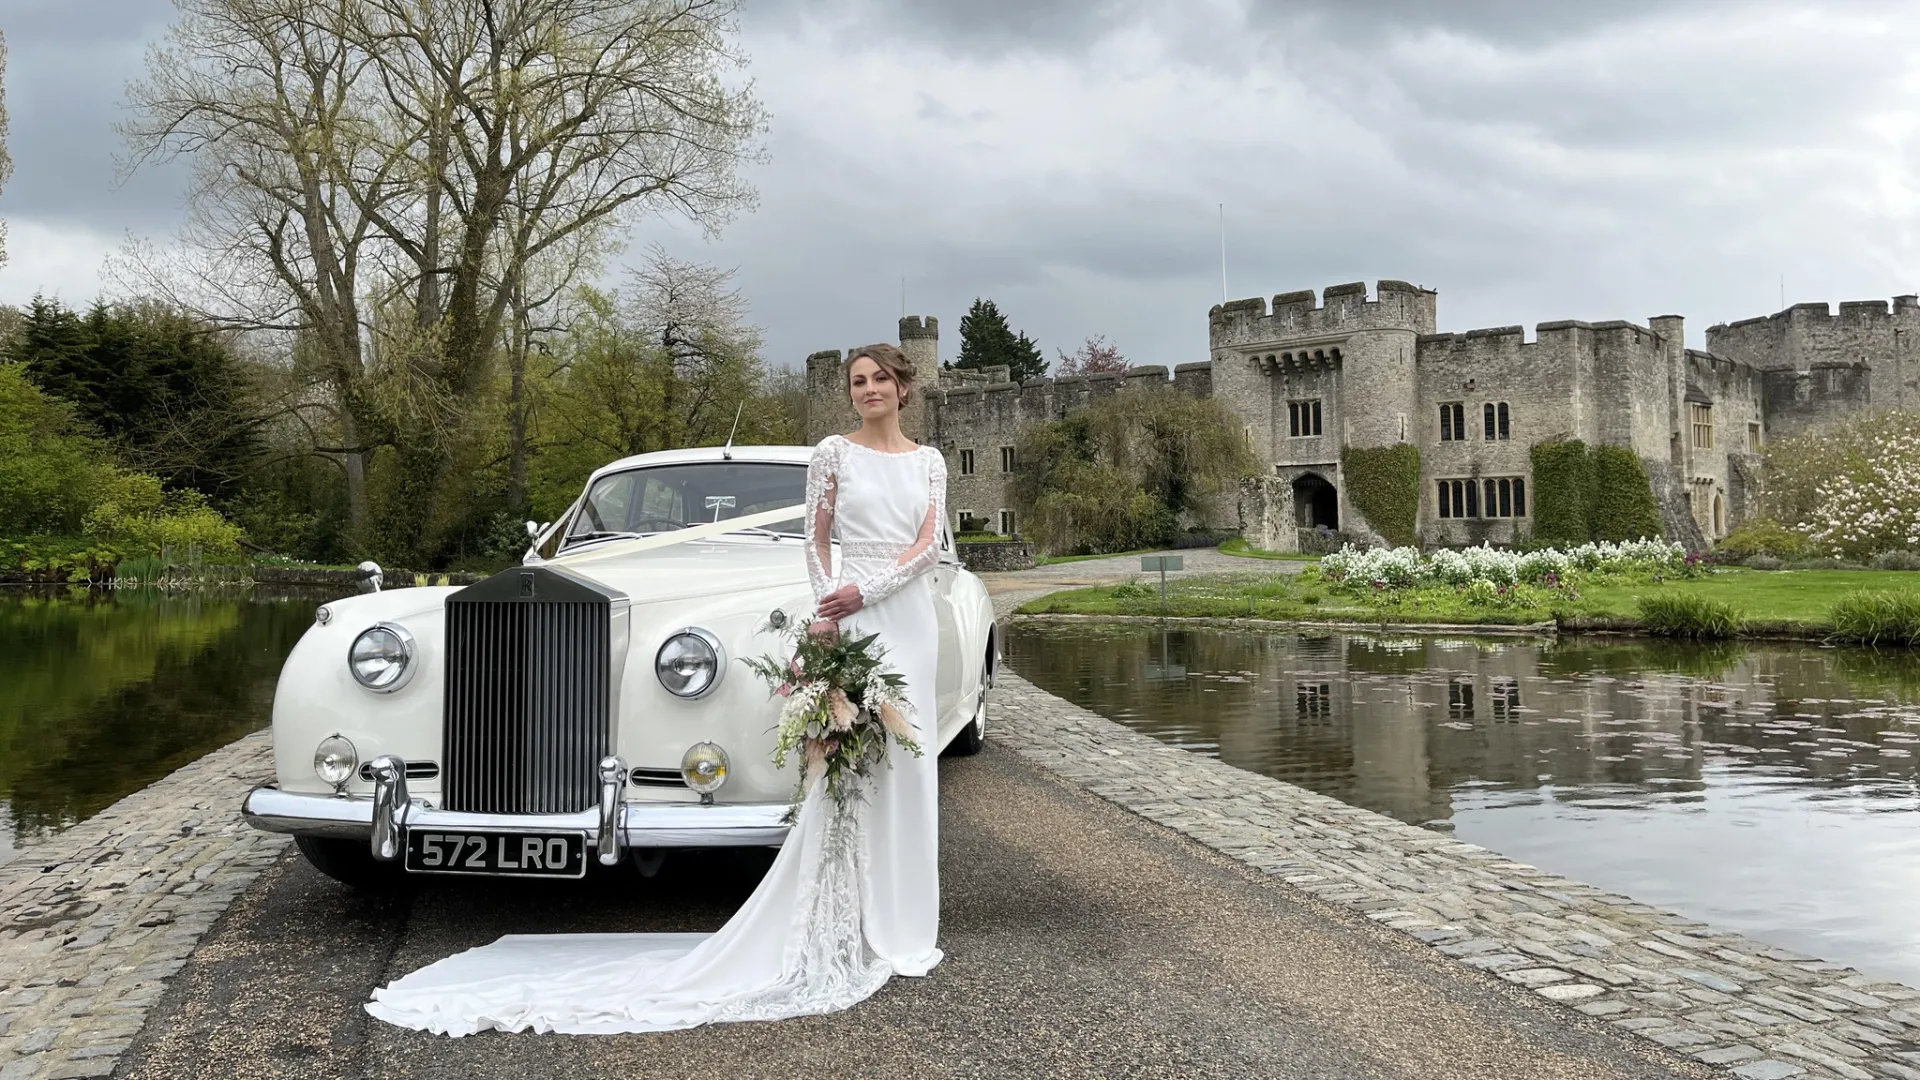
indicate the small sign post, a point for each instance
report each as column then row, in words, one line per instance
column 1162, row 563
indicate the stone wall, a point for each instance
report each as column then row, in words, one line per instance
column 980, row 556
column 1266, row 514
column 1806, row 337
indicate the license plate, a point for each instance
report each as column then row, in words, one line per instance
column 518, row 854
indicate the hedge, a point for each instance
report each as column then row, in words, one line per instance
column 1383, row 483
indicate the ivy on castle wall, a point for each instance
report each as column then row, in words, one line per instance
column 1562, row 492
column 1383, row 483
column 1623, row 504
column 1582, row 494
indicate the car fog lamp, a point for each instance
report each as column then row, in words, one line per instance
column 382, row 657
column 704, row 767
column 334, row 760
column 689, row 663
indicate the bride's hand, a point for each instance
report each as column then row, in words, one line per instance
column 841, row 603
column 824, row 629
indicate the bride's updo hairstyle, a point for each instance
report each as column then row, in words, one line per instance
column 892, row 361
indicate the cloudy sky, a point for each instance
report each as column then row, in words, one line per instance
column 1530, row 159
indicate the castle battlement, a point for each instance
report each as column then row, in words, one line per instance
column 1340, row 309
column 1852, row 313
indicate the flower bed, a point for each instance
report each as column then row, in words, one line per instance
column 1405, row 567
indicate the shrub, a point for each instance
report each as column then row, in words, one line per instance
column 1855, row 489
column 1130, row 591
column 1872, row 617
column 135, row 512
column 1383, row 483
column 1764, row 537
column 1764, row 562
column 1623, row 503
column 1897, row 560
column 1688, row 615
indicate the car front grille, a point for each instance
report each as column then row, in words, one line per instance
column 528, row 716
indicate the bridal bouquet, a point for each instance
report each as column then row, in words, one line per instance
column 841, row 707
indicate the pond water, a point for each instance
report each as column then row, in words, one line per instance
column 102, row 693
column 1768, row 790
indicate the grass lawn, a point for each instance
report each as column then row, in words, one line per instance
column 1796, row 596
column 1803, row 597
column 1239, row 546
column 1056, row 560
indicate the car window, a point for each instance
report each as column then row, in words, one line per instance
column 663, row 498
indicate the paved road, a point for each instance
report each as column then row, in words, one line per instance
column 1082, row 942
column 1073, row 575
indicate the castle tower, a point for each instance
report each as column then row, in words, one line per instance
column 920, row 340
column 1309, row 379
column 830, row 411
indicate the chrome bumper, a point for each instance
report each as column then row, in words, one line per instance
column 383, row 821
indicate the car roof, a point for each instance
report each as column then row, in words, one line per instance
column 770, row 455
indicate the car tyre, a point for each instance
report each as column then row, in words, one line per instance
column 351, row 863
column 974, row 735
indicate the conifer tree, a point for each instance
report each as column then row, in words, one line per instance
column 987, row 341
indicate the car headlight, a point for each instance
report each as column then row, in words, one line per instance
column 381, row 658
column 334, row 760
column 689, row 663
column 704, row 767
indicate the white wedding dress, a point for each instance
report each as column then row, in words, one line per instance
column 852, row 899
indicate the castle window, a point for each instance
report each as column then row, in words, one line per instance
column 1504, row 497
column 1303, row 418
column 1006, row 523
column 1753, row 438
column 1702, row 426
column 1499, row 497
column 966, row 463
column 1453, row 422
column 1495, row 417
column 1006, row 459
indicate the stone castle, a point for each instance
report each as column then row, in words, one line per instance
column 1308, row 376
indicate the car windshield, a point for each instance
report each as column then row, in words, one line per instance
column 669, row 497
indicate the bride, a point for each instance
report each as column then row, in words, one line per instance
column 852, row 899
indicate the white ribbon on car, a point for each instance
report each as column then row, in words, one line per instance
column 708, row 531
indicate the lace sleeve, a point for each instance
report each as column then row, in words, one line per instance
column 925, row 552
column 823, row 485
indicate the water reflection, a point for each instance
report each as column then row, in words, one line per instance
column 1772, row 789
column 103, row 693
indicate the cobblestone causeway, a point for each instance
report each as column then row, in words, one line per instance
column 94, row 922
column 1762, row 1013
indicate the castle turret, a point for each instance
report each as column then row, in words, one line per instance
column 920, row 340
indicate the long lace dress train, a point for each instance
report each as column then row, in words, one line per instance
column 851, row 900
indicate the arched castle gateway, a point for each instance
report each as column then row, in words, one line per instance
column 1310, row 376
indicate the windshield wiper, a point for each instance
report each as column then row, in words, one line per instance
column 601, row 535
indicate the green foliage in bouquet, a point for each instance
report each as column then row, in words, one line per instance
column 841, row 707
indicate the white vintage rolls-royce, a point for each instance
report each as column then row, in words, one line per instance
column 589, row 704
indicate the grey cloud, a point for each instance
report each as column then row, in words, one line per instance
column 67, row 68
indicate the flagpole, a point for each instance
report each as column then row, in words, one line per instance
column 1223, row 253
